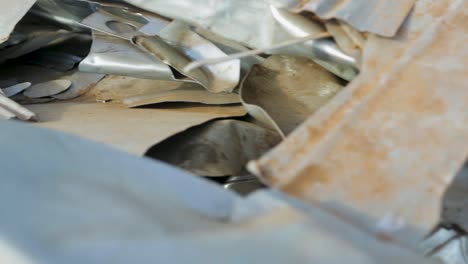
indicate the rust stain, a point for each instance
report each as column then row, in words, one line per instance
column 306, row 179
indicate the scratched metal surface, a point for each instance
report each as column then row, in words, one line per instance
column 385, row 149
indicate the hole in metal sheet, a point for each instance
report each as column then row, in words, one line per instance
column 120, row 27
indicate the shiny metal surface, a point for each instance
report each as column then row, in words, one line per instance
column 382, row 17
column 110, row 55
column 243, row 185
column 177, row 45
column 324, row 51
column 253, row 24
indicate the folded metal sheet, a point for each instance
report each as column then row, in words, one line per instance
column 384, row 150
column 11, row 14
column 89, row 202
column 382, row 17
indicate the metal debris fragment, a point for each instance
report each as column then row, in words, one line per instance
column 284, row 91
column 47, row 89
column 10, row 108
column 12, row 12
column 112, row 123
column 186, row 93
column 382, row 17
column 15, row 89
column 111, row 55
column 219, row 148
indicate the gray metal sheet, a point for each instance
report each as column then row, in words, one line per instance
column 90, row 202
column 11, row 13
column 382, row 17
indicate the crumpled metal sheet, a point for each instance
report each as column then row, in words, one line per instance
column 90, row 201
column 218, row 148
column 284, row 91
column 384, row 150
column 177, row 45
column 131, row 130
column 254, row 24
column 382, row 17
column 12, row 12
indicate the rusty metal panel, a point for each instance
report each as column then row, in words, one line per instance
column 387, row 146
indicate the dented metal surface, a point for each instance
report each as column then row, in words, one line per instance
column 384, row 150
column 284, row 91
column 218, row 148
column 382, row 17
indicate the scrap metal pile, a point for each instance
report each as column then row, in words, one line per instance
column 270, row 131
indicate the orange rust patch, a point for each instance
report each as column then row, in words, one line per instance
column 310, row 176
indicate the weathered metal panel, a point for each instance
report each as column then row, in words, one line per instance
column 387, row 147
